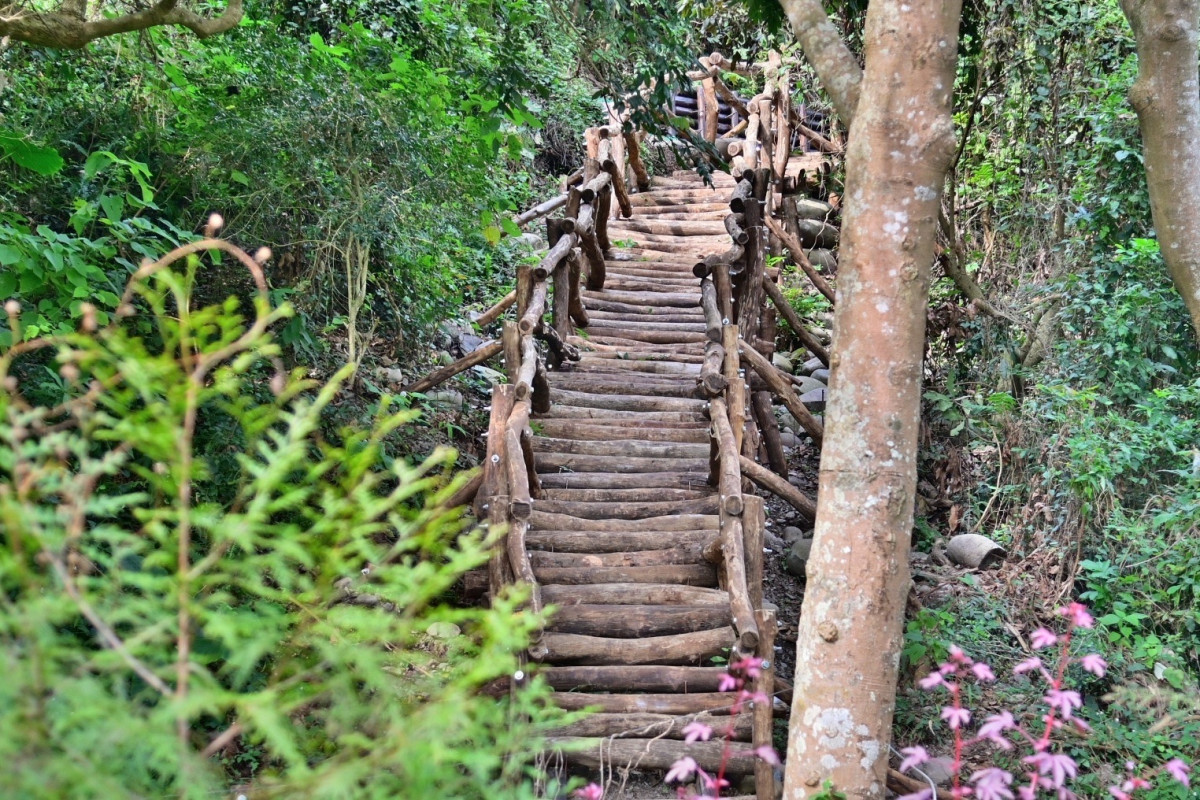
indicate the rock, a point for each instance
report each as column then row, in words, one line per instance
column 792, row 534
column 447, row 397
column 493, row 376
column 939, row 769
column 443, row 630
column 769, row 606
column 773, row 542
column 812, row 365
column 815, row 400
column 469, row 343
column 797, row 557
column 821, row 374
column 787, row 422
column 782, row 362
column 974, row 550
column 443, row 358
column 789, row 439
column 805, row 384
column 392, row 375
column 530, row 241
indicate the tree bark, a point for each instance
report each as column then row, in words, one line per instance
column 836, row 66
column 901, row 144
column 1168, row 108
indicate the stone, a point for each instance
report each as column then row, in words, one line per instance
column 787, row 422
column 773, row 543
column 393, row 376
column 804, row 384
column 812, row 365
column 450, row 398
column 443, row 630
column 797, row 557
column 939, row 769
column 443, row 358
column 530, row 241
column 792, row 534
column 469, row 343
column 492, row 376
column 782, row 362
column 814, row 400
column 789, row 439
column 821, row 374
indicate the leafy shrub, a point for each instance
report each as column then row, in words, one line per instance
column 164, row 634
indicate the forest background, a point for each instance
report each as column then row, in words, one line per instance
column 378, row 150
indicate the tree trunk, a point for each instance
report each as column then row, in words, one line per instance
column 1168, row 108
column 901, row 143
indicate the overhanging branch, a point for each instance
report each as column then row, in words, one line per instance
column 67, row 28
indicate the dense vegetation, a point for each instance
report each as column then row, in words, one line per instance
column 378, row 150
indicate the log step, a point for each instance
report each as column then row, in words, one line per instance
column 569, row 462
column 648, row 431
column 620, row 402
column 679, row 648
column 624, row 480
column 630, row 510
column 636, row 621
column 634, row 678
column 626, row 383
column 657, row 726
column 646, row 703
column 687, row 575
column 624, row 495
column 587, row 542
column 650, row 754
column 644, row 593
column 547, row 521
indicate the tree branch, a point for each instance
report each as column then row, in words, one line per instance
column 836, row 66
column 68, row 28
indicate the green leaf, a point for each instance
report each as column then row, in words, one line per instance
column 239, row 177
column 42, row 160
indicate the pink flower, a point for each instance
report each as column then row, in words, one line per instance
column 995, row 725
column 1065, row 700
column 590, row 792
column 1028, row 665
column 728, row 683
column 696, row 730
column 710, row 782
column 931, row 681
column 682, row 770
column 1178, row 770
column 767, row 754
column 956, row 717
column 924, row 794
column 747, row 667
column 1026, row 793
column 914, row 756
column 1117, row 793
column 1055, row 767
column 1042, row 638
column 1078, row 614
column 958, row 656
column 1094, row 664
column 753, row 697
column 983, row 672
column 992, row 784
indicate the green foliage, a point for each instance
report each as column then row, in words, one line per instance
column 275, row 598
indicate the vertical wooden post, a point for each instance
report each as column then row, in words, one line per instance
column 754, row 518
column 511, row 339
column 764, row 773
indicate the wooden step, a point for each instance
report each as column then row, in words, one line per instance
column 666, row 703
column 630, row 384
column 669, row 299
column 624, row 495
column 644, row 593
column 624, row 480
column 620, row 415
column 605, row 510
column 651, row 754
column 541, row 520
column 687, row 575
column 679, row 648
column 690, row 554
column 556, row 462
column 627, row 725
column 618, row 402
column 615, row 541
column 686, row 432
